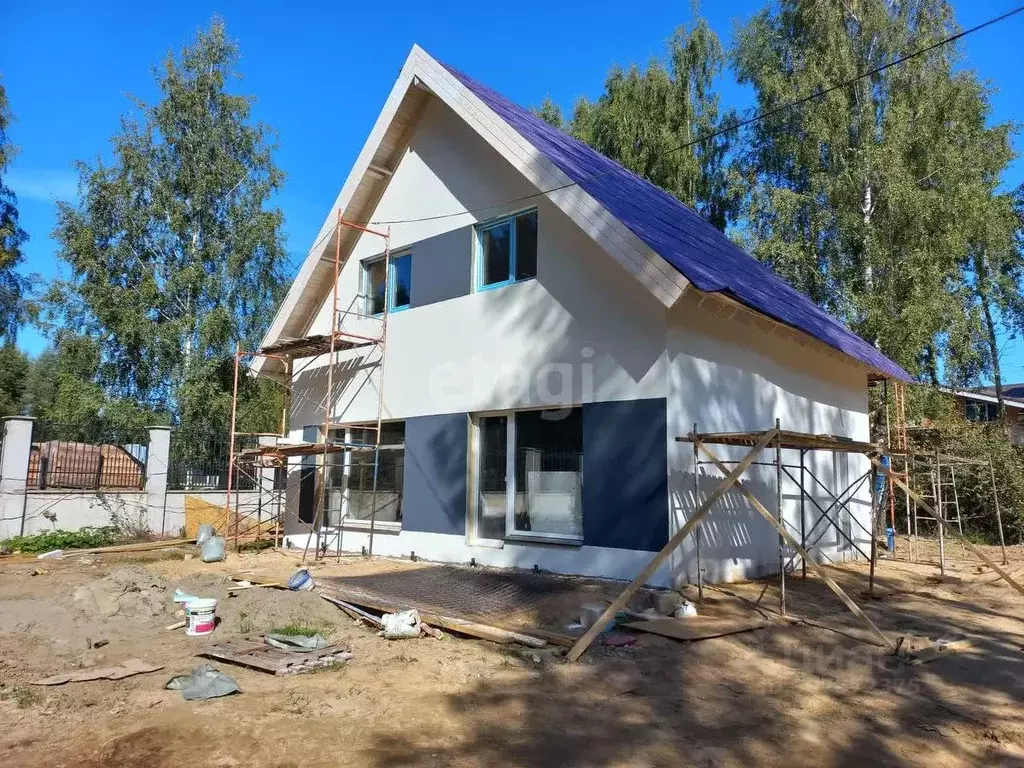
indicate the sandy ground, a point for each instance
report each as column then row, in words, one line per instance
column 788, row 694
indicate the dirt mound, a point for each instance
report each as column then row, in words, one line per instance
column 130, row 591
column 260, row 610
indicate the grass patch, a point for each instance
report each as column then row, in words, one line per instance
column 297, row 629
column 245, row 623
column 23, row 698
column 86, row 538
column 256, row 546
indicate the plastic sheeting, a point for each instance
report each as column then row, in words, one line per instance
column 203, row 682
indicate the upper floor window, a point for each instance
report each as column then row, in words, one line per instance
column 506, row 250
column 390, row 287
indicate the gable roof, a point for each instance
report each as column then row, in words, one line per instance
column 661, row 242
column 705, row 256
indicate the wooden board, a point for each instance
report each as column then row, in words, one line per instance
column 121, row 671
column 697, row 627
column 257, row 655
column 455, row 624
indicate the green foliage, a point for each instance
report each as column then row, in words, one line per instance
column 22, row 696
column 645, row 115
column 173, row 253
column 868, row 199
column 64, row 386
column 86, row 538
column 255, row 546
column 296, row 629
column 940, row 425
column 14, row 367
column 13, row 286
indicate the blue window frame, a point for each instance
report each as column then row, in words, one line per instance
column 400, row 283
column 391, row 291
column 506, row 250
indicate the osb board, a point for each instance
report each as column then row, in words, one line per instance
column 697, row 627
column 198, row 511
column 266, row 658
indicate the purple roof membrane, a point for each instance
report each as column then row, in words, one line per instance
column 705, row 256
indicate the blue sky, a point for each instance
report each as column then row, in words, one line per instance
column 320, row 74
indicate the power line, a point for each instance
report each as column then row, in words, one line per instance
column 728, row 129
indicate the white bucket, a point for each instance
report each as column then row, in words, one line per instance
column 200, row 616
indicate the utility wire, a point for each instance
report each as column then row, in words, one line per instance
column 727, row 129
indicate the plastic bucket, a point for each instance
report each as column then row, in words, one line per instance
column 300, row 581
column 200, row 616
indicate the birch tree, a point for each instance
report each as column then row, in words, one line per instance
column 863, row 199
column 175, row 252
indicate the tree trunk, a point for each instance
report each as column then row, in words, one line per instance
column 984, row 284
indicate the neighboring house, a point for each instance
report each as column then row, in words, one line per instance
column 63, row 464
column 982, row 405
column 544, row 353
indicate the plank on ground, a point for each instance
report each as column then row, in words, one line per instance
column 697, row 627
column 651, row 568
column 263, row 657
column 452, row 623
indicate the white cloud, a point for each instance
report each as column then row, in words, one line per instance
column 42, row 185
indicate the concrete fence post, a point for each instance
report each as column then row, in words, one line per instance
column 158, row 459
column 14, row 456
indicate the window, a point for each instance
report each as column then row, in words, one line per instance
column 530, row 475
column 981, row 411
column 507, row 250
column 389, row 288
column 401, row 282
column 350, row 479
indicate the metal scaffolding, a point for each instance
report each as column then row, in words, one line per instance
column 340, row 338
column 778, row 440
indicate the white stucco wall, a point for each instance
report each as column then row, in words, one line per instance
column 584, row 331
column 730, row 374
column 74, row 510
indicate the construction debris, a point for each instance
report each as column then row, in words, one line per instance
column 400, row 626
column 473, row 629
column 119, row 672
column 921, row 650
column 266, row 658
column 355, row 612
column 296, row 643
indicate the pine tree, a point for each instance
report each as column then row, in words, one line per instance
column 646, row 117
column 13, row 286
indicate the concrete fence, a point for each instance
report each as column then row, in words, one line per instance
column 26, row 509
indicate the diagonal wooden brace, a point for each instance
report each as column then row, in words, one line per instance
column 620, row 602
column 822, row 573
column 946, row 526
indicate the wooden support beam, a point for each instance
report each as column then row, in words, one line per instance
column 949, row 528
column 620, row 602
column 821, row 572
